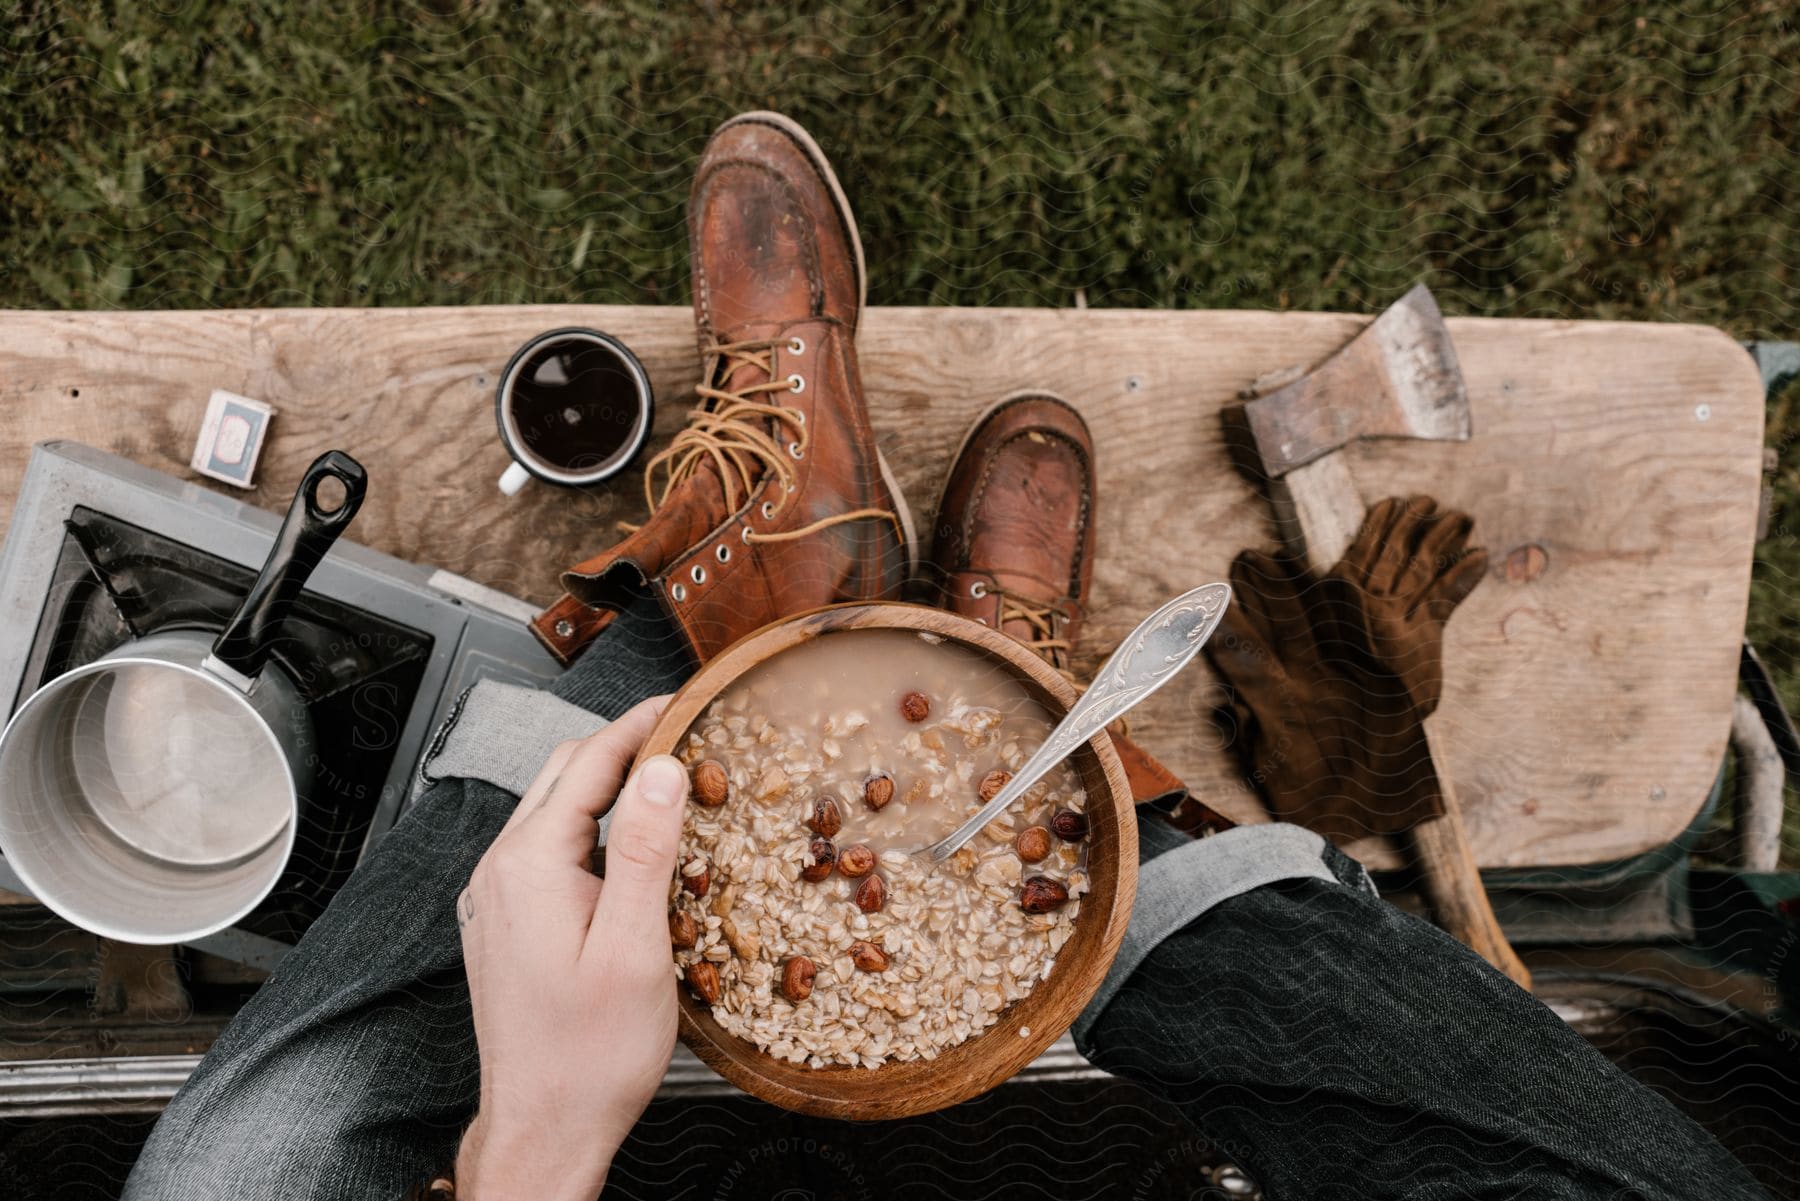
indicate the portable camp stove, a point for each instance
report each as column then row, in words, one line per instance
column 102, row 550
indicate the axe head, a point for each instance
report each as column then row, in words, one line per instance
column 1398, row 378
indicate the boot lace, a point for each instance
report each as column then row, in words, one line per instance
column 1042, row 619
column 741, row 434
column 1045, row 621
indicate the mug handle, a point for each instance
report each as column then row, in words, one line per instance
column 515, row 478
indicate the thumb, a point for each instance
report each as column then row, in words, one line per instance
column 641, row 846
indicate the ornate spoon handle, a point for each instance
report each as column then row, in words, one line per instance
column 1149, row 657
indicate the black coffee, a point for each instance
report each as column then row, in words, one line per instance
column 576, row 405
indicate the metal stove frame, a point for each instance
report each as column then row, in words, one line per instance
column 477, row 633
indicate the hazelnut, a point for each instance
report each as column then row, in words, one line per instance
column 871, row 894
column 855, row 861
column 1033, row 843
column 797, row 978
column 683, row 932
column 711, row 786
column 915, row 707
column 992, row 783
column 826, row 818
column 1069, row 825
column 868, row 956
column 696, row 877
column 703, row 978
column 1041, row 894
column 878, row 790
column 824, row 855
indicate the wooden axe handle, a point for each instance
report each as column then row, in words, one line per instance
column 1319, row 510
column 1453, row 883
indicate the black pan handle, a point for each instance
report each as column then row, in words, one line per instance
column 306, row 534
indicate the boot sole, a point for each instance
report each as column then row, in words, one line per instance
column 804, row 140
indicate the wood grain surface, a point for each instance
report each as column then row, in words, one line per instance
column 1613, row 476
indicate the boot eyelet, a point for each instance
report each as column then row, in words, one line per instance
column 799, row 416
column 723, row 554
column 978, row 590
column 698, row 575
column 679, row 592
column 796, row 346
column 744, row 535
column 796, row 382
column 794, row 451
column 768, row 510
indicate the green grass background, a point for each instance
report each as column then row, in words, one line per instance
column 1529, row 159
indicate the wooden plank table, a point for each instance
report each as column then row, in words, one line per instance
column 1613, row 476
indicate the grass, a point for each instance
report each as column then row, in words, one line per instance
column 1529, row 159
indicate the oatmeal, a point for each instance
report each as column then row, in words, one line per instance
column 798, row 913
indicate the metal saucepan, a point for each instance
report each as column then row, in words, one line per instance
column 153, row 795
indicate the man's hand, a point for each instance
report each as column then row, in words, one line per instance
column 570, row 975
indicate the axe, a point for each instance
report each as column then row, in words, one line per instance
column 1398, row 378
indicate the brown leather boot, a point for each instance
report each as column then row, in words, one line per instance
column 1014, row 549
column 774, row 499
column 1014, row 543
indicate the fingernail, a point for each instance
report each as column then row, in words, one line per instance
column 661, row 781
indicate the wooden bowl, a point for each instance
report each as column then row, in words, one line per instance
column 902, row 1089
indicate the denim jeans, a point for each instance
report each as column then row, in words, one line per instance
column 1334, row 1046
column 1330, row 1044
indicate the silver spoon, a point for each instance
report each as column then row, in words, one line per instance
column 1149, row 657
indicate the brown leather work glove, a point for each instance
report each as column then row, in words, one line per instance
column 1332, row 679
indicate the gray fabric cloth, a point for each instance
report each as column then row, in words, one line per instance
column 503, row 733
column 1178, row 886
